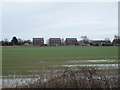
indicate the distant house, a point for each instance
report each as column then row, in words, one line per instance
column 54, row 41
column 101, row 43
column 71, row 41
column 116, row 42
column 38, row 41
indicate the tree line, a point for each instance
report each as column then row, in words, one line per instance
column 21, row 42
column 15, row 41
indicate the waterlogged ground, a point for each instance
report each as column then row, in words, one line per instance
column 20, row 65
column 17, row 80
column 25, row 60
column 105, row 64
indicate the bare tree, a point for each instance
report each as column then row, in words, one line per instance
column 116, row 37
column 107, row 39
column 20, row 41
column 85, row 39
column 5, row 42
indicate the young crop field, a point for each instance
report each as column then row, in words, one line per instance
column 21, row 60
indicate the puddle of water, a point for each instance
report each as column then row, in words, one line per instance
column 0, row 82
column 94, row 65
column 102, row 60
column 43, row 70
column 12, row 83
column 16, row 76
column 9, row 82
column 94, row 61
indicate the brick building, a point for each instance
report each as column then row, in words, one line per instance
column 71, row 41
column 38, row 41
column 54, row 42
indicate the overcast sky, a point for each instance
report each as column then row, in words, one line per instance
column 96, row 20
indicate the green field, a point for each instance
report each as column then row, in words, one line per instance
column 25, row 59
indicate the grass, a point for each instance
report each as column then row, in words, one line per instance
column 22, row 59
